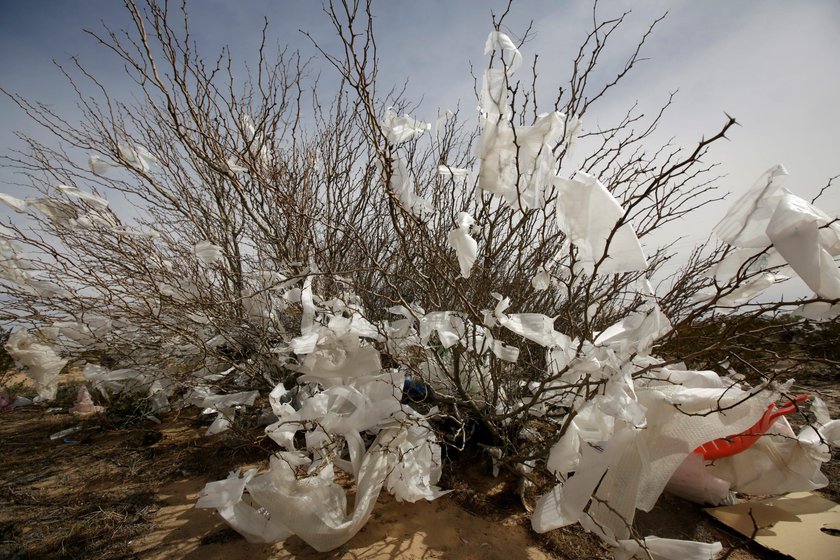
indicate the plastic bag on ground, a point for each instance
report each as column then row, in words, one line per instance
column 656, row 548
column 84, row 405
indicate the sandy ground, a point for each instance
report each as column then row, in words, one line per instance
column 438, row 529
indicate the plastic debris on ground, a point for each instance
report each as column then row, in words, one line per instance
column 84, row 405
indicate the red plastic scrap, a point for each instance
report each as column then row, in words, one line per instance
column 734, row 444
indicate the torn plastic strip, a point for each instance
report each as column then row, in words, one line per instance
column 656, row 548
column 466, row 248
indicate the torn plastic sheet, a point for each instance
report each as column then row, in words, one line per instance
column 234, row 166
column 745, row 223
column 131, row 381
column 656, row 548
column 678, row 419
column 202, row 397
column 17, row 268
column 564, row 504
column 404, row 189
column 518, row 163
column 572, row 132
column 280, row 401
column 449, row 327
column 418, row 467
column 16, row 204
column 588, row 213
column 498, row 41
column 360, row 405
column 99, row 166
column 226, row 497
column 224, row 406
column 345, row 407
column 304, row 344
column 671, row 434
column 257, row 146
column 85, row 333
column 536, row 327
column 60, row 212
column 315, row 507
column 802, row 234
column 466, row 248
column 736, row 262
column 492, row 99
column 137, row 156
column 356, row 325
column 818, row 311
column 830, row 432
column 748, row 289
column 541, row 280
column 636, row 333
column 334, row 362
column 780, row 461
column 692, row 481
column 90, row 198
column 42, row 364
column 207, row 252
column 500, row 349
column 398, row 129
column 307, row 304
column 455, row 172
column 799, row 232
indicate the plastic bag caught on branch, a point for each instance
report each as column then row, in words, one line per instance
column 745, row 223
column 399, row 130
column 632, row 464
column 589, row 214
column 801, row 234
column 465, row 246
column 771, row 216
column 42, row 363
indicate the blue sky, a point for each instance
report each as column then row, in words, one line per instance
column 772, row 64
